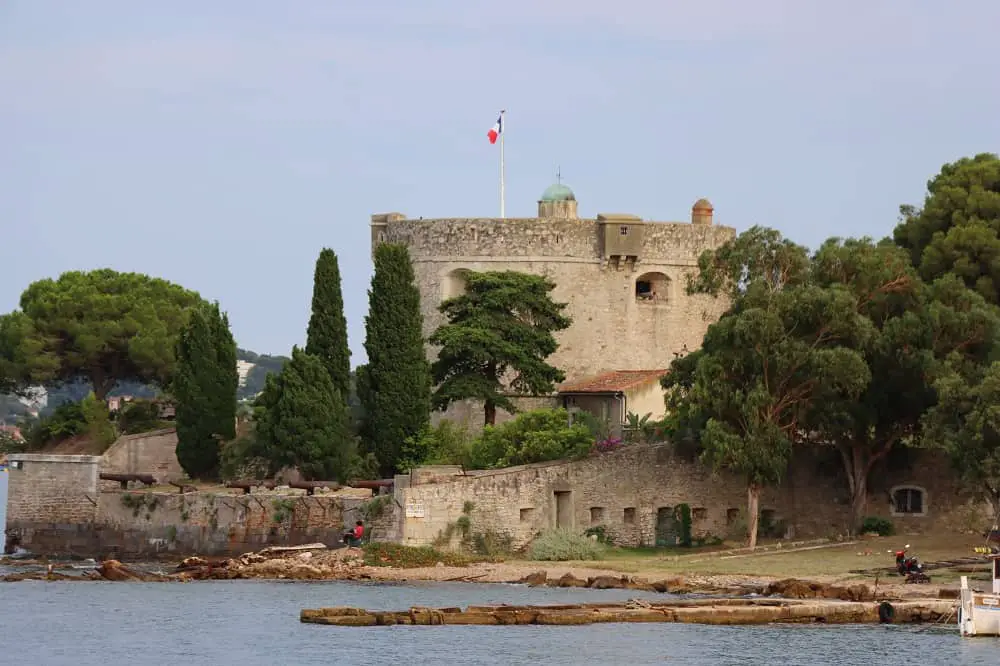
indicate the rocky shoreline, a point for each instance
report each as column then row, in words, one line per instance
column 316, row 562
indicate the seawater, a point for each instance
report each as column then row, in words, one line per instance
column 251, row 623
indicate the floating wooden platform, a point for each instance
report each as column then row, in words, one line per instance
column 701, row 611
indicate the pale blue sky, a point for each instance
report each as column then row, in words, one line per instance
column 221, row 144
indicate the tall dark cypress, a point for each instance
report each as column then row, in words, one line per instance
column 326, row 337
column 204, row 389
column 395, row 385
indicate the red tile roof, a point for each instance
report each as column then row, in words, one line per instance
column 613, row 382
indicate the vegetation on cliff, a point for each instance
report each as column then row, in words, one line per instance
column 204, row 391
column 394, row 387
column 501, row 327
column 326, row 336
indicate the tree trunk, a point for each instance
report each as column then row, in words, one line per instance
column 102, row 386
column 857, row 465
column 491, row 412
column 753, row 514
column 859, row 499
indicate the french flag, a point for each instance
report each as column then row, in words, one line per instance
column 496, row 130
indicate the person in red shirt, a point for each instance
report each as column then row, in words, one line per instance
column 353, row 538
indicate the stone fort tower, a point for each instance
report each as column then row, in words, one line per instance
column 622, row 277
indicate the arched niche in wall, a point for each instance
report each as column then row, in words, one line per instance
column 453, row 283
column 652, row 288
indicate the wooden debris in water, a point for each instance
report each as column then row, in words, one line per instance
column 702, row 611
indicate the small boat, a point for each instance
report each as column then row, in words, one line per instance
column 979, row 612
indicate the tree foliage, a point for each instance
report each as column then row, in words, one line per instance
column 497, row 339
column 101, row 325
column 394, row 387
column 966, row 423
column 326, row 337
column 777, row 351
column 204, row 390
column 536, row 436
column 958, row 229
column 302, row 422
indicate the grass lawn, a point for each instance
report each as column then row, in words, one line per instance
column 834, row 560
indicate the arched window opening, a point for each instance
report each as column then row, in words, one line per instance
column 909, row 501
column 652, row 288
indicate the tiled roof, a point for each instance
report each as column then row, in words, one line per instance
column 613, row 382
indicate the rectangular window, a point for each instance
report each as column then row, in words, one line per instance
column 629, row 516
column 596, row 514
column 527, row 514
column 623, row 231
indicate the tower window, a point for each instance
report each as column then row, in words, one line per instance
column 623, row 231
column 652, row 288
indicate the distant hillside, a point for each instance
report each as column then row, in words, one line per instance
column 261, row 365
column 253, row 369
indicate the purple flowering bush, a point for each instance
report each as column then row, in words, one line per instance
column 608, row 444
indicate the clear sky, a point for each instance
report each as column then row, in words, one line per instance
column 222, row 144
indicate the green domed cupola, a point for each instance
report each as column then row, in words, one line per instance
column 558, row 192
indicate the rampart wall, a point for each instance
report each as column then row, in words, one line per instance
column 632, row 493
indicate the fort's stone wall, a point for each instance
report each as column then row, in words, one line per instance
column 152, row 452
column 56, row 506
column 631, row 491
column 612, row 328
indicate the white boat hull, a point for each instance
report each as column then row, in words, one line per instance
column 978, row 612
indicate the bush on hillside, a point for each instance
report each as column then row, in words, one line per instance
column 562, row 545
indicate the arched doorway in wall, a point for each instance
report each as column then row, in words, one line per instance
column 453, row 283
column 652, row 288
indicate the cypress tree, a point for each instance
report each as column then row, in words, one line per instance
column 326, row 337
column 204, row 389
column 395, row 385
column 303, row 421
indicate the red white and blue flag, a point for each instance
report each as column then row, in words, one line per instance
column 496, row 130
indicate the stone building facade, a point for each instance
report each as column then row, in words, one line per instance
column 623, row 278
column 633, row 493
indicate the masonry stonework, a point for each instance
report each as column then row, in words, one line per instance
column 623, row 279
column 56, row 506
column 152, row 452
column 632, row 492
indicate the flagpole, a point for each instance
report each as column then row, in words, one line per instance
column 503, row 131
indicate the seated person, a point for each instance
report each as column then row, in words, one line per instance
column 353, row 538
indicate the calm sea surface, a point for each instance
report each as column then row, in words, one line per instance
column 249, row 623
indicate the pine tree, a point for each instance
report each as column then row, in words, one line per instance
column 395, row 385
column 204, row 389
column 326, row 337
column 303, row 422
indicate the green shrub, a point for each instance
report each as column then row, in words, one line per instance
column 536, row 436
column 877, row 525
column 561, row 545
column 599, row 532
column 139, row 416
column 444, row 444
column 492, row 544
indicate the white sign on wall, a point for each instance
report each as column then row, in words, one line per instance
column 415, row 510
